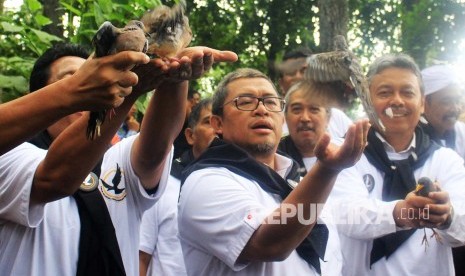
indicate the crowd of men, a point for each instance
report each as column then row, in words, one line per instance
column 271, row 182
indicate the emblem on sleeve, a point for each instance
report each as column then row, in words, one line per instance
column 90, row 183
column 112, row 186
column 369, row 182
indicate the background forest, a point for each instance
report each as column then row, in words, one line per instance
column 259, row 31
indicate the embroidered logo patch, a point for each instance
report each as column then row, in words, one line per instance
column 111, row 186
column 369, row 182
column 90, row 183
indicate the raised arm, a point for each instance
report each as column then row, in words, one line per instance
column 72, row 156
column 273, row 242
column 166, row 112
column 93, row 87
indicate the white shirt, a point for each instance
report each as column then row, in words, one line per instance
column 218, row 213
column 43, row 239
column 309, row 162
column 339, row 123
column 362, row 216
column 460, row 138
column 159, row 234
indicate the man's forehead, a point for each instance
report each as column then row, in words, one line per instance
column 251, row 85
column 206, row 111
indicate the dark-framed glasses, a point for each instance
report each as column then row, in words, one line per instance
column 250, row 103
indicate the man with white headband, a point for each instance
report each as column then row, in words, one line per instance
column 442, row 107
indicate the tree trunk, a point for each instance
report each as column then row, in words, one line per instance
column 275, row 39
column 333, row 15
column 52, row 10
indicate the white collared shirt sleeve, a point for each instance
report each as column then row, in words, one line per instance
column 127, row 206
column 451, row 178
column 218, row 214
column 120, row 154
column 17, row 169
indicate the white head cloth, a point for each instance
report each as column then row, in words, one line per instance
column 438, row 77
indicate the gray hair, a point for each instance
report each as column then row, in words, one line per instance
column 317, row 92
column 221, row 92
column 399, row 60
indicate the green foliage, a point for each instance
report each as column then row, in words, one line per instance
column 21, row 42
column 259, row 31
column 426, row 29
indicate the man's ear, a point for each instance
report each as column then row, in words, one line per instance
column 189, row 133
column 217, row 123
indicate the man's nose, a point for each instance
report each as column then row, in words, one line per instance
column 261, row 109
column 305, row 116
column 396, row 99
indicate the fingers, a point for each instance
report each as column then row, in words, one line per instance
column 127, row 79
column 350, row 140
column 321, row 146
column 217, row 55
column 225, row 56
column 126, row 60
column 439, row 197
column 180, row 70
column 417, row 202
column 208, row 60
column 433, row 221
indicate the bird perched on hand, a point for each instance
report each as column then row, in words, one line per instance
column 341, row 65
column 168, row 29
column 423, row 188
column 110, row 40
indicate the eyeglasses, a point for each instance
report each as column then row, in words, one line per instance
column 250, row 103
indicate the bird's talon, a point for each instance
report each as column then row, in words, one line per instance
column 436, row 236
column 425, row 240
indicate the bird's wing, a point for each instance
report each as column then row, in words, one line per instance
column 360, row 85
column 328, row 67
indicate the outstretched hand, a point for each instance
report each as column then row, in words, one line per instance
column 340, row 157
column 193, row 62
column 102, row 83
column 190, row 63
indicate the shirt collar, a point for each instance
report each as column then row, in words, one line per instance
column 282, row 164
column 391, row 152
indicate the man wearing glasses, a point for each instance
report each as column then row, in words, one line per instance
column 242, row 210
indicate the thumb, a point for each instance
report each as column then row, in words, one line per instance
column 126, row 60
column 322, row 145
